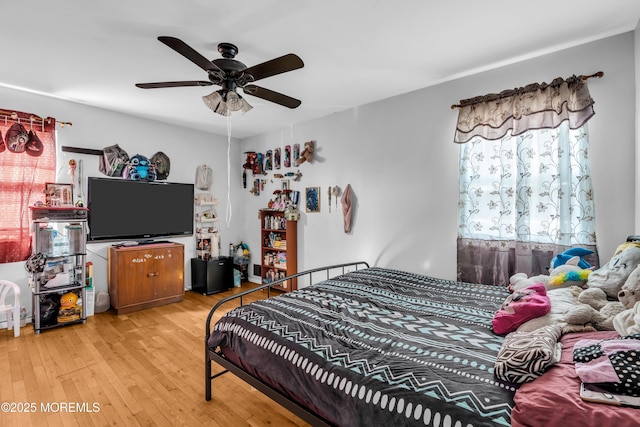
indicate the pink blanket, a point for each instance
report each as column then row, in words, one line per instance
column 554, row 399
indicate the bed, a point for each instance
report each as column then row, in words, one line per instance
column 371, row 346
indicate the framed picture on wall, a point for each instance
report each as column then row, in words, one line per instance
column 58, row 194
column 312, row 199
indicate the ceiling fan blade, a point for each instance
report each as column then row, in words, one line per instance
column 192, row 55
column 279, row 65
column 271, row 95
column 172, row 84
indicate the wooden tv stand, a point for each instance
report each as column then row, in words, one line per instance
column 145, row 276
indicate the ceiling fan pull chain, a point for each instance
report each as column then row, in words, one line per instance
column 228, row 211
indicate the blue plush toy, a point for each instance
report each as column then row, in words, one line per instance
column 139, row 168
column 565, row 256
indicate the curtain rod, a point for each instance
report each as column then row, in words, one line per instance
column 14, row 116
column 599, row 74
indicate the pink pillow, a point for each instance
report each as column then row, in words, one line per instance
column 522, row 305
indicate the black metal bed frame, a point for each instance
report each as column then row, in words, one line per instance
column 216, row 356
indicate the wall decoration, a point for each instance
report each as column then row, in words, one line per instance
column 257, row 165
column 307, row 153
column 287, row 156
column 257, row 186
column 335, row 191
column 286, row 184
column 58, row 194
column 276, row 158
column 268, row 163
column 251, row 158
column 312, row 199
column 296, row 152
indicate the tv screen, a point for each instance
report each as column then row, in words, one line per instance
column 122, row 209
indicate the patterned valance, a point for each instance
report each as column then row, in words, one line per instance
column 535, row 106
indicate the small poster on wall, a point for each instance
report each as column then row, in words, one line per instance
column 312, row 199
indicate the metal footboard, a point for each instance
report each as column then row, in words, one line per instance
column 212, row 355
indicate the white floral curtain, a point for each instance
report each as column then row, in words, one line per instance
column 525, row 182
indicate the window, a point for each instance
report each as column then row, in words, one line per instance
column 525, row 179
column 535, row 187
column 525, row 197
column 27, row 162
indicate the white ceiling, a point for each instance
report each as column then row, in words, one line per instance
column 355, row 51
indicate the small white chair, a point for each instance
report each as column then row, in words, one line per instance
column 12, row 311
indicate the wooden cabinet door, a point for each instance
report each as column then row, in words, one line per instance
column 134, row 277
column 168, row 272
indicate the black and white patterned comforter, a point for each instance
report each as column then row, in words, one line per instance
column 377, row 347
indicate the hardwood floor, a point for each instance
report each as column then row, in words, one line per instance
column 140, row 369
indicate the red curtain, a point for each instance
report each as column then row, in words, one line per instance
column 27, row 162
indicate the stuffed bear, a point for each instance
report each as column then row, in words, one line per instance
column 628, row 322
column 307, row 153
column 592, row 312
column 629, row 294
column 612, row 276
column 563, row 276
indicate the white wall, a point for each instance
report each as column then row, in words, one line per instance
column 95, row 128
column 399, row 157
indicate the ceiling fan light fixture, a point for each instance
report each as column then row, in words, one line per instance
column 237, row 103
column 216, row 102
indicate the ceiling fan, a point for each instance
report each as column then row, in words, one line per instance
column 231, row 74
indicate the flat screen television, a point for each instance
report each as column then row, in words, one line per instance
column 121, row 209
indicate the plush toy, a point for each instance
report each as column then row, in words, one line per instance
column 613, row 275
column 307, row 153
column 522, row 305
column 592, row 312
column 139, row 168
column 563, row 276
column 629, row 294
column 628, row 322
column 69, row 311
column 565, row 256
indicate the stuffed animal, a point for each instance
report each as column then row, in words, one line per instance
column 307, row 153
column 629, row 294
column 139, row 168
column 613, row 275
column 69, row 310
column 628, row 322
column 565, row 256
column 592, row 312
column 563, row 276
column 522, row 305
